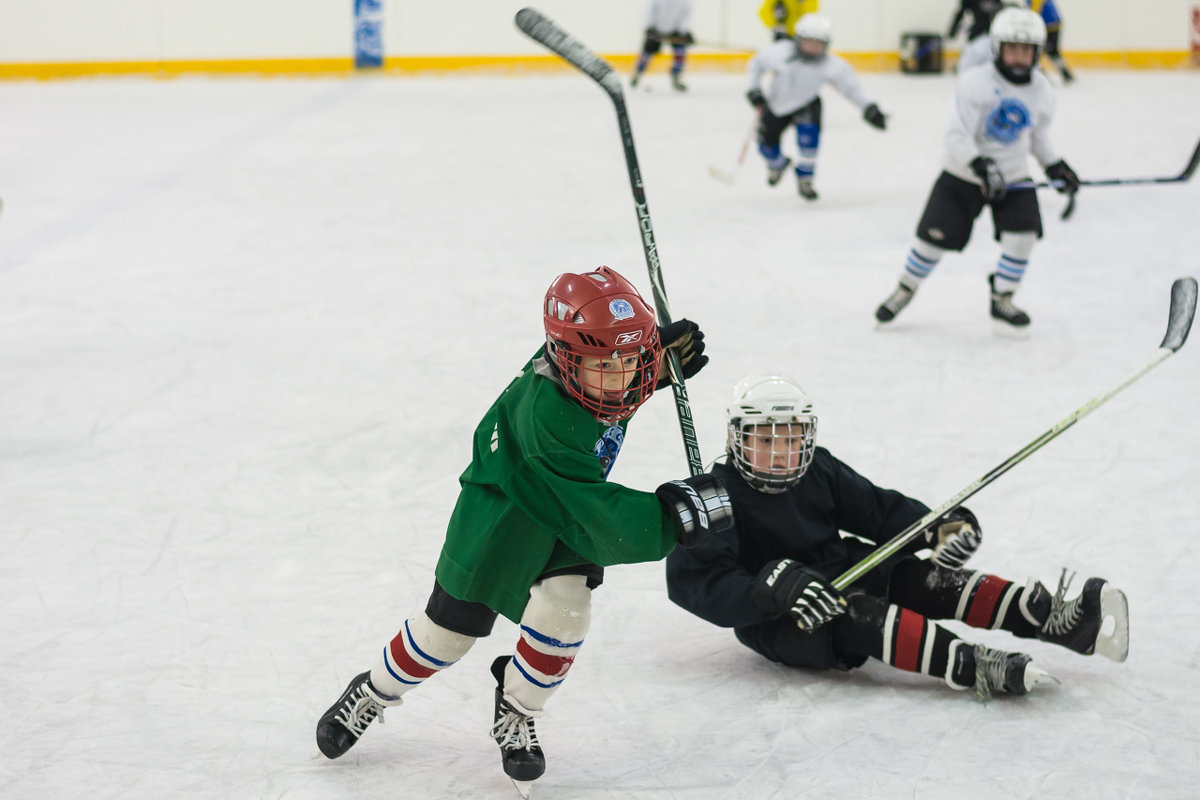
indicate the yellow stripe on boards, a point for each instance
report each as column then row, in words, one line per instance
column 698, row 59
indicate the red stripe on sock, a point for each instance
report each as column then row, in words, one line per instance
column 552, row 666
column 910, row 629
column 405, row 662
column 983, row 604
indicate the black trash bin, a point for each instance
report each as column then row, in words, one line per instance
column 920, row 52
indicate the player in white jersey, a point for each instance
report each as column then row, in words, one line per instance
column 667, row 21
column 801, row 66
column 1002, row 113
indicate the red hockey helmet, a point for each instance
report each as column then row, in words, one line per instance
column 603, row 338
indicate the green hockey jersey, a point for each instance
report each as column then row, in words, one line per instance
column 535, row 499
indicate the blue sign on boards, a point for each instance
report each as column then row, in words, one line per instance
column 368, row 34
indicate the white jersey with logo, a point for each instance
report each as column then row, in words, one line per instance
column 796, row 82
column 669, row 16
column 1001, row 120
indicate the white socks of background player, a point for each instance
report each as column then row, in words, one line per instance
column 1014, row 258
column 552, row 631
column 421, row 648
column 922, row 258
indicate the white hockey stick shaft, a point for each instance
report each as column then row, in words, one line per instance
column 1183, row 309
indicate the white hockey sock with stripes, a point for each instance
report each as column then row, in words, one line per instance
column 421, row 648
column 921, row 260
column 1015, row 249
column 552, row 631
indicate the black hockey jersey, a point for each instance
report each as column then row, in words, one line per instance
column 714, row 580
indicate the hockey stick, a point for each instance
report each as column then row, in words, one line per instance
column 1188, row 170
column 536, row 26
column 1183, row 309
column 730, row 176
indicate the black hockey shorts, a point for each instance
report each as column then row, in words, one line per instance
column 476, row 619
column 954, row 205
column 836, row 645
column 771, row 127
column 654, row 40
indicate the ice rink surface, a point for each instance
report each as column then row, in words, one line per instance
column 247, row 327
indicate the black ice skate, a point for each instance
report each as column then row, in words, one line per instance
column 1007, row 673
column 895, row 303
column 1007, row 318
column 1082, row 624
column 344, row 722
column 677, row 84
column 514, row 731
column 774, row 174
column 804, row 183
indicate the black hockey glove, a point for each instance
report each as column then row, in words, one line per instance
column 785, row 587
column 755, row 96
column 701, row 505
column 687, row 340
column 875, row 117
column 1066, row 181
column 992, row 182
column 954, row 538
column 653, row 35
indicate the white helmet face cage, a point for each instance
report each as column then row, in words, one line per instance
column 771, row 432
column 1017, row 25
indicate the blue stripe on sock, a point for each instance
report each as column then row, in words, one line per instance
column 387, row 662
column 529, row 678
column 422, row 653
column 544, row 639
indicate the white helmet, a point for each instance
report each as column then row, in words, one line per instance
column 780, row 403
column 1015, row 24
column 814, row 26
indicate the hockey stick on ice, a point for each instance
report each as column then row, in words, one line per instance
column 729, row 176
column 1188, row 170
column 536, row 26
column 1183, row 309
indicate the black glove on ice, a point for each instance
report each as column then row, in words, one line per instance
column 875, row 117
column 687, row 340
column 755, row 96
column 786, row 587
column 1059, row 171
column 992, row 181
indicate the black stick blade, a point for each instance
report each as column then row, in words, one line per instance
column 541, row 29
column 1191, row 165
column 1183, row 309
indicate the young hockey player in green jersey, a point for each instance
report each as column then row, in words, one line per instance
column 536, row 522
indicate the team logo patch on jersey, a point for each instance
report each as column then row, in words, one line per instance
column 1007, row 120
column 621, row 309
column 628, row 337
column 608, row 446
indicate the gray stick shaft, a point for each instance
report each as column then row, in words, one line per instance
column 1183, row 309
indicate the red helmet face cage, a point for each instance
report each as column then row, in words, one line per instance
column 603, row 338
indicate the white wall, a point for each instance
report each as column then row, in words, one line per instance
column 139, row 30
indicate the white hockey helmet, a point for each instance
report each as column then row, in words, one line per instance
column 770, row 414
column 1018, row 25
column 814, row 26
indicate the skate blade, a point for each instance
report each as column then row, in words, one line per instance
column 721, row 175
column 1113, row 642
column 523, row 787
column 1036, row 677
column 1006, row 331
